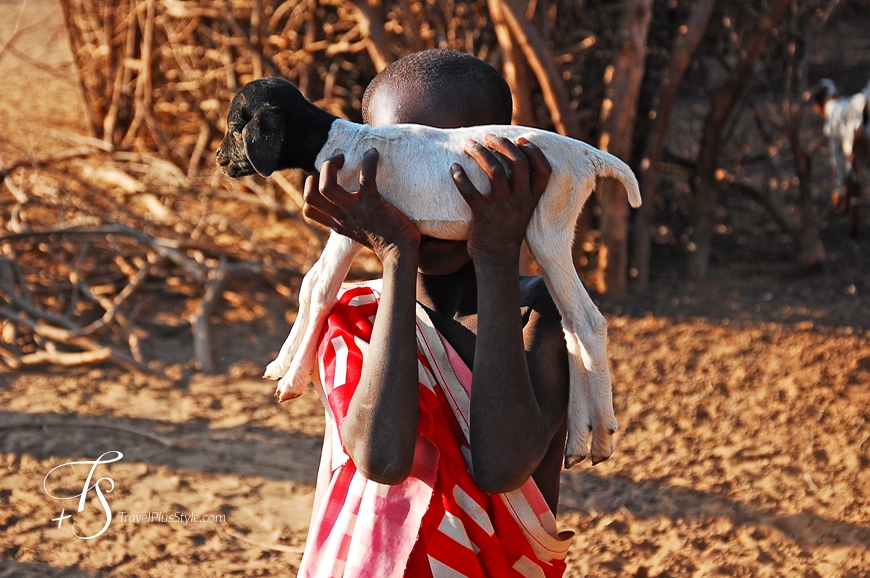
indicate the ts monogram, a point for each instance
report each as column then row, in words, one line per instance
column 86, row 488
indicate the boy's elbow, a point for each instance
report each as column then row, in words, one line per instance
column 498, row 478
column 500, row 482
column 507, row 467
column 389, row 472
column 390, row 464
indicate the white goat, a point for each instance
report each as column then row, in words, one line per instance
column 271, row 126
column 847, row 126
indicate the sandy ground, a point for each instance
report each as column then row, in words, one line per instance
column 744, row 404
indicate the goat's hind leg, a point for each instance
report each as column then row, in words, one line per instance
column 853, row 201
column 590, row 400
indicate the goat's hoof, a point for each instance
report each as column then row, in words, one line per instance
column 276, row 370
column 289, row 388
column 287, row 395
column 571, row 461
column 597, row 459
column 602, row 441
column 601, row 450
column 840, row 201
column 577, row 445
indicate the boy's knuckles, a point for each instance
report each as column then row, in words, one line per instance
column 366, row 182
column 497, row 171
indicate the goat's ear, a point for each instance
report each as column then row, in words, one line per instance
column 263, row 137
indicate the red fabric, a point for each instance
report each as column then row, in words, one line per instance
column 463, row 529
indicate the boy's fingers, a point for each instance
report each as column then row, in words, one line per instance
column 332, row 165
column 329, row 187
column 487, row 161
column 369, row 172
column 328, row 174
column 517, row 161
column 311, row 193
column 539, row 166
column 519, row 164
column 313, row 213
column 465, row 187
column 311, row 189
column 310, row 185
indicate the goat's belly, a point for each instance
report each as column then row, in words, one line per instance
column 429, row 196
column 447, row 230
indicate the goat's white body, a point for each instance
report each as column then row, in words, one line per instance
column 414, row 175
column 844, row 120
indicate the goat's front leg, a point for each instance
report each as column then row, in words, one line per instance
column 316, row 298
column 278, row 368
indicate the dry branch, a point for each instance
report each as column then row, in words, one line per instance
column 67, row 337
column 5, row 171
column 66, row 288
column 618, row 118
column 371, row 22
column 199, row 320
column 48, row 425
column 162, row 246
column 64, row 359
column 682, row 55
column 264, row 546
column 513, row 66
column 111, row 307
column 16, row 191
column 703, row 182
column 540, row 59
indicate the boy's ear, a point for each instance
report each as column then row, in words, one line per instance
column 263, row 137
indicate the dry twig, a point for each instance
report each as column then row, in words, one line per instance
column 48, row 425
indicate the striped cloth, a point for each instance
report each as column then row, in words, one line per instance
column 437, row 523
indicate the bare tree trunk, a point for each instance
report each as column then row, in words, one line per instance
column 812, row 251
column 371, row 20
column 703, row 182
column 516, row 73
column 541, row 61
column 514, row 66
column 618, row 113
column 682, row 55
column 75, row 42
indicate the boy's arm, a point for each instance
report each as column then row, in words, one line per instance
column 380, row 429
column 513, row 417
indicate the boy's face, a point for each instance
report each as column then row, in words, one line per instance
column 392, row 104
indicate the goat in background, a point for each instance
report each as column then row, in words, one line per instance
column 847, row 126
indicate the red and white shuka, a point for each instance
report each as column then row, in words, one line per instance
column 438, row 522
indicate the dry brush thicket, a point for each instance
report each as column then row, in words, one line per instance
column 132, row 233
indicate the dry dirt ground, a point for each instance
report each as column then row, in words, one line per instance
column 744, row 404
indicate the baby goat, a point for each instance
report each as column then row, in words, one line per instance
column 847, row 125
column 271, row 126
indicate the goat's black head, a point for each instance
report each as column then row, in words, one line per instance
column 271, row 126
column 821, row 93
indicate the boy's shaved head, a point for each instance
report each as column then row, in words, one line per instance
column 445, row 80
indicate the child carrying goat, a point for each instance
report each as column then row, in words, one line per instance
column 395, row 496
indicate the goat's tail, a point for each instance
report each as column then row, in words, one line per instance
column 612, row 166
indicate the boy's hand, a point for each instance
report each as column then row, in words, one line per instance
column 499, row 219
column 363, row 216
